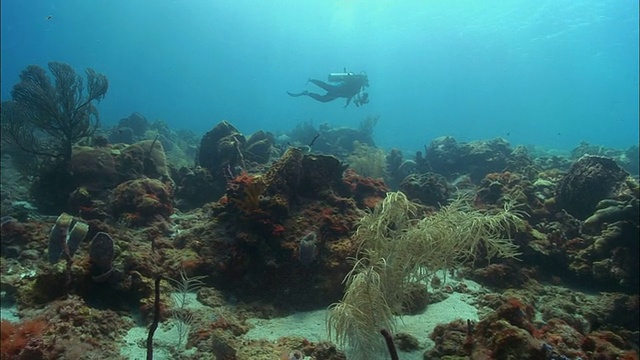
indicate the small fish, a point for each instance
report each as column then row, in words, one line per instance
column 49, row 17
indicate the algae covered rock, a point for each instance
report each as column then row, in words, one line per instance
column 140, row 201
column 144, row 158
column 221, row 146
column 224, row 149
column 196, row 187
column 104, row 168
column 431, row 189
column 136, row 122
column 477, row 158
column 609, row 211
column 258, row 147
column 93, row 168
column 589, row 180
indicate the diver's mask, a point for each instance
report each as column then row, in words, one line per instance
column 363, row 98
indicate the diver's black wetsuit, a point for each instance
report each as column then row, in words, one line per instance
column 348, row 88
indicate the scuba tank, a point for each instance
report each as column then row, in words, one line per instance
column 339, row 77
column 342, row 76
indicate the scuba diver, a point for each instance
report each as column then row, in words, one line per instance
column 348, row 85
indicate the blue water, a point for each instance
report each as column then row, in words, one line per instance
column 551, row 73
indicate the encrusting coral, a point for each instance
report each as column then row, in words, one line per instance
column 397, row 248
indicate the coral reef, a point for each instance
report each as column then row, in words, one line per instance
column 95, row 172
column 267, row 215
column 13, row 191
column 265, row 227
column 122, row 135
column 498, row 189
column 448, row 157
column 627, row 159
column 15, row 237
column 338, row 141
column 610, row 256
column 226, row 153
column 510, row 331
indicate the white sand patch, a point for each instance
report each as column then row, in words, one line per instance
column 134, row 345
column 312, row 324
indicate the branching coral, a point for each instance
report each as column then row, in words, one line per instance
column 397, row 248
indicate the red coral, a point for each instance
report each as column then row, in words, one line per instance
column 16, row 336
column 607, row 345
column 333, row 222
column 243, row 178
column 518, row 314
column 277, row 230
column 366, row 191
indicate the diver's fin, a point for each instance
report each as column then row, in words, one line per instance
column 298, row 94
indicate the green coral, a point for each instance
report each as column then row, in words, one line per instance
column 397, row 248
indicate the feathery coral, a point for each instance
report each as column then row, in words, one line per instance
column 396, row 248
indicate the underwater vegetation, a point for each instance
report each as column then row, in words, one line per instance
column 61, row 110
column 396, row 249
column 46, row 118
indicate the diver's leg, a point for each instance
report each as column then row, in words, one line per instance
column 323, row 85
column 322, row 98
column 298, row 94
